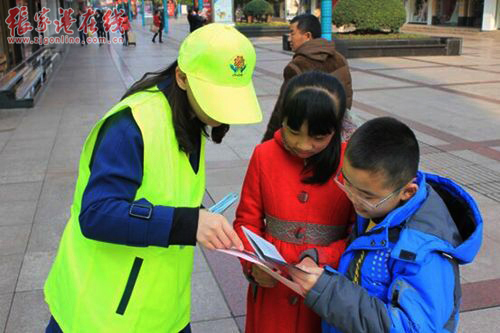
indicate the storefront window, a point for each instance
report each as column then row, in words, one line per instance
column 418, row 11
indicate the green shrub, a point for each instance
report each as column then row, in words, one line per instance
column 258, row 8
column 370, row 15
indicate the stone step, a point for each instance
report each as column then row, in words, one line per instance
column 408, row 28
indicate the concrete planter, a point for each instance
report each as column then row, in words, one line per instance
column 262, row 31
column 364, row 48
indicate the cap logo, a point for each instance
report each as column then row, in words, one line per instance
column 238, row 66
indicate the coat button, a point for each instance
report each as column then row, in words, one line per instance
column 303, row 196
column 373, row 243
column 383, row 242
column 299, row 233
column 293, row 300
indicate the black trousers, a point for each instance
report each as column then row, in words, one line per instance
column 160, row 31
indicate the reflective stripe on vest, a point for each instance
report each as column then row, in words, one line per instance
column 98, row 287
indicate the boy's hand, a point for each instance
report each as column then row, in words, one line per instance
column 304, row 280
column 307, row 262
column 262, row 278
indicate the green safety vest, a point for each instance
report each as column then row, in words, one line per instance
column 98, row 287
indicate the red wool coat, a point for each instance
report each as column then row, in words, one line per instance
column 273, row 190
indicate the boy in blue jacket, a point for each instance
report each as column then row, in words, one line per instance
column 400, row 270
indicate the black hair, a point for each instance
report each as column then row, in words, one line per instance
column 186, row 125
column 308, row 23
column 318, row 99
column 385, row 145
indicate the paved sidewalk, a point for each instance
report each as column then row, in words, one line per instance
column 452, row 103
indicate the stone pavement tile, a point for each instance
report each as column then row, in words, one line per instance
column 219, row 152
column 227, row 272
column 240, row 321
column 457, row 61
column 13, row 238
column 219, row 326
column 30, row 130
column 365, row 80
column 227, row 176
column 479, row 159
column 10, row 265
column 384, row 62
column 489, row 90
column 10, row 118
column 5, row 302
column 53, row 212
column 20, row 191
column 490, row 210
column 16, row 169
column 29, row 313
column 200, row 263
column 245, row 151
column 34, row 271
column 4, row 138
column 442, row 75
column 206, row 298
column 65, row 155
column 81, row 115
column 483, row 321
column 275, row 67
column 495, row 67
column 485, row 265
column 35, row 148
column 428, row 139
column 17, row 212
column 267, row 86
column 438, row 109
column 437, row 161
column 242, row 134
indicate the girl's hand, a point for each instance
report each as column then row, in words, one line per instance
column 215, row 232
column 262, row 278
column 306, row 280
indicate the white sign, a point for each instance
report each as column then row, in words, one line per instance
column 223, row 11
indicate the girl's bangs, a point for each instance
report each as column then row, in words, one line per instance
column 314, row 107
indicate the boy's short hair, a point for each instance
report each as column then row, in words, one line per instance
column 385, row 145
column 308, row 23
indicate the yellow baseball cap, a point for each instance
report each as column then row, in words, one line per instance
column 219, row 62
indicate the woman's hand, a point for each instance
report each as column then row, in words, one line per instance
column 215, row 232
column 262, row 278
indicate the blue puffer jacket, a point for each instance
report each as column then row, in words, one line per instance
column 409, row 277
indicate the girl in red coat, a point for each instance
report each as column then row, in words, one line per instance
column 289, row 198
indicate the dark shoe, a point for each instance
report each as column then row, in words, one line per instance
column 153, row 41
column 161, row 41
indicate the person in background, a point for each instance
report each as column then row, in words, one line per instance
column 158, row 23
column 311, row 52
column 79, row 22
column 101, row 33
column 125, row 27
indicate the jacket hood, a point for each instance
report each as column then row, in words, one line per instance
column 317, row 49
column 445, row 219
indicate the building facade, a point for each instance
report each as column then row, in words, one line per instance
column 483, row 14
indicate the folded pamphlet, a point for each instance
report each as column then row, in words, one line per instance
column 268, row 258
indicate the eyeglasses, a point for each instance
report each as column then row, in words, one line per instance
column 339, row 180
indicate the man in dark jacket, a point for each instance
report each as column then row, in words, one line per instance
column 311, row 52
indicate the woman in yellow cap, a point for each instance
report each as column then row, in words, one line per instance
column 125, row 259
